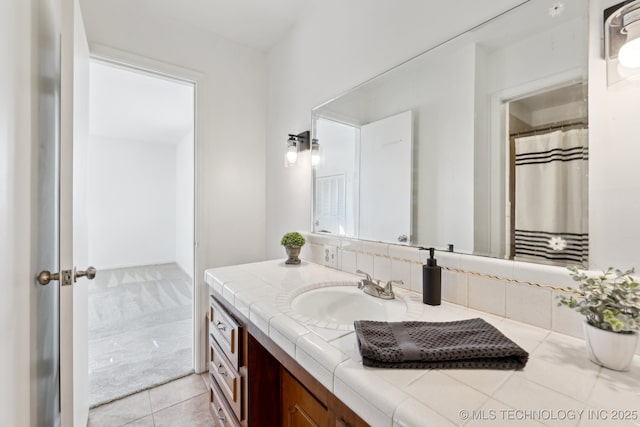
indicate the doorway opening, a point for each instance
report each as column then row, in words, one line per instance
column 140, row 221
column 547, row 167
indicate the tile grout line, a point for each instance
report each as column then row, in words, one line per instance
column 179, row 403
column 153, row 412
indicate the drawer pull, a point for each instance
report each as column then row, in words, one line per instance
column 221, row 326
column 221, row 370
column 220, row 416
column 342, row 423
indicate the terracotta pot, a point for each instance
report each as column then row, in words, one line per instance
column 612, row 350
column 293, row 252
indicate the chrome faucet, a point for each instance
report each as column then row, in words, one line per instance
column 372, row 287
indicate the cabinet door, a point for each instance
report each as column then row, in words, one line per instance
column 346, row 420
column 341, row 416
column 299, row 407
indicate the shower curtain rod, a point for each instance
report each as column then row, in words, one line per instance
column 548, row 128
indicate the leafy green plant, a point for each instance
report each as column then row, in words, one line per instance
column 292, row 238
column 610, row 301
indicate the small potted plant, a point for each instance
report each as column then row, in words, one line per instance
column 610, row 303
column 293, row 242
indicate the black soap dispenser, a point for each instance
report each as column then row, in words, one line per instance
column 431, row 281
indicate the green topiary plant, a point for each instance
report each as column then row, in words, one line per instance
column 610, row 301
column 292, row 239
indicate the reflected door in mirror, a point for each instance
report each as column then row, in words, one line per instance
column 385, row 179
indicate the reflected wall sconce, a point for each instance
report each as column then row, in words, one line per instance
column 622, row 41
column 315, row 152
column 296, row 144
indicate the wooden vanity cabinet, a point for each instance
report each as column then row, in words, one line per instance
column 300, row 408
column 227, row 368
column 266, row 387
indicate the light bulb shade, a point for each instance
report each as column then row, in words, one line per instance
column 315, row 152
column 629, row 53
column 631, row 74
column 292, row 154
column 296, row 143
column 622, row 41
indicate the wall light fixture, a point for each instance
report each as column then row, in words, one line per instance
column 296, row 144
column 622, row 41
column 315, row 152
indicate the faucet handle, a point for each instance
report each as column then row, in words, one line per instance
column 389, row 287
column 397, row 282
column 365, row 273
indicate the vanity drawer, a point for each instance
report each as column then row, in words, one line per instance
column 226, row 377
column 226, row 332
column 222, row 416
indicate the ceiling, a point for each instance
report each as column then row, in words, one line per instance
column 132, row 105
column 135, row 106
column 259, row 24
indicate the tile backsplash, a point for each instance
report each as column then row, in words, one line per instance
column 521, row 291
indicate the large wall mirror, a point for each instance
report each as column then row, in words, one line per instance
column 480, row 143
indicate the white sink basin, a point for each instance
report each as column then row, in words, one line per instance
column 344, row 304
column 335, row 305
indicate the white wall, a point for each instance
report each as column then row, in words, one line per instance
column 539, row 56
column 132, row 204
column 614, row 151
column 230, row 110
column 313, row 64
column 445, row 130
column 184, row 203
column 18, row 288
column 141, row 212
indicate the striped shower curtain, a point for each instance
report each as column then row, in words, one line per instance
column 551, row 197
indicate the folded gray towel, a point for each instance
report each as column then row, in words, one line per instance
column 463, row 344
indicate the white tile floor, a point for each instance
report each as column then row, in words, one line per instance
column 183, row 402
column 140, row 330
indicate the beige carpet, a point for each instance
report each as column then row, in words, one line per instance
column 140, row 330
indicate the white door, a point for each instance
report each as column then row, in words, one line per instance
column 74, row 131
column 46, row 357
column 62, row 225
column 386, row 179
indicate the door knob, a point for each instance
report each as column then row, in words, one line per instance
column 66, row 277
column 46, row 276
column 89, row 273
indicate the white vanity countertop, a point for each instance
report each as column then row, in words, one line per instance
column 558, row 386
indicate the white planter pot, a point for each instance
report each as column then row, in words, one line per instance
column 610, row 349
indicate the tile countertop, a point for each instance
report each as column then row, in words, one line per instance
column 558, row 387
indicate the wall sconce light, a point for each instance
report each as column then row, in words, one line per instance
column 296, row 144
column 315, row 153
column 622, row 41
